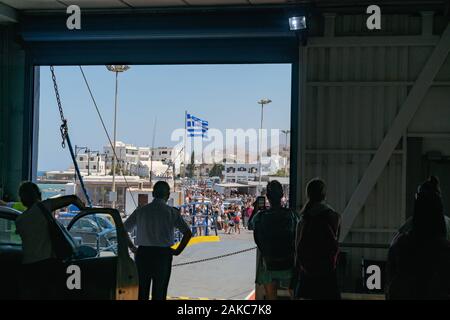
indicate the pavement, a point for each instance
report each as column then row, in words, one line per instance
column 231, row 277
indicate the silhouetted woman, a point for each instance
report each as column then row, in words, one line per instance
column 419, row 260
column 317, row 246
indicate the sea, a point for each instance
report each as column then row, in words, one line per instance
column 50, row 190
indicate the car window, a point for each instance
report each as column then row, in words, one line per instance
column 88, row 231
column 84, row 224
column 104, row 223
column 8, row 233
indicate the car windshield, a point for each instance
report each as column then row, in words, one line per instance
column 104, row 222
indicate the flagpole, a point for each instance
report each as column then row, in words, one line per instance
column 184, row 147
column 151, row 153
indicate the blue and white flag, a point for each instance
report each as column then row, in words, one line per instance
column 196, row 127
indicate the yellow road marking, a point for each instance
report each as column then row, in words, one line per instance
column 201, row 239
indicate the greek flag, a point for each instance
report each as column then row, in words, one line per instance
column 196, row 127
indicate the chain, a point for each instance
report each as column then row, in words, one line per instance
column 63, row 128
column 214, row 258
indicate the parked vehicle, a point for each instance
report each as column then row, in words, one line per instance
column 103, row 277
column 96, row 231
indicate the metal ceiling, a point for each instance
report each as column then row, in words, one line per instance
column 127, row 4
column 117, row 4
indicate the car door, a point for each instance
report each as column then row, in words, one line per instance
column 104, row 273
column 10, row 254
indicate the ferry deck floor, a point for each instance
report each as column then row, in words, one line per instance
column 231, row 277
column 228, row 278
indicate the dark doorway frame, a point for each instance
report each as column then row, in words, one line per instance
column 200, row 36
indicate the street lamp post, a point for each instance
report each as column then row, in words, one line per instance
column 77, row 150
column 286, row 132
column 262, row 102
column 116, row 69
column 89, row 160
column 98, row 162
column 106, row 162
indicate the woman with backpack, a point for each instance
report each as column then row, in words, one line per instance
column 419, row 259
column 317, row 247
column 274, row 234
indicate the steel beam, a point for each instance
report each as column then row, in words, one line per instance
column 398, row 128
column 7, row 14
column 381, row 41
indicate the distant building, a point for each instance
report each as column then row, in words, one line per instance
column 130, row 159
column 57, row 176
column 158, row 168
column 99, row 187
column 163, row 154
column 239, row 172
column 127, row 153
column 243, row 172
column 138, row 197
column 201, row 170
column 144, row 153
column 91, row 164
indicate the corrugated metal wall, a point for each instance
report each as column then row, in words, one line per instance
column 352, row 92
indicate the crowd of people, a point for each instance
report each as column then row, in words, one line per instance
column 297, row 249
column 206, row 209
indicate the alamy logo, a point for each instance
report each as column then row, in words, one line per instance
column 74, row 20
column 374, row 20
column 373, row 281
column 74, row 278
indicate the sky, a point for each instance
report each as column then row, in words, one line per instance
column 224, row 95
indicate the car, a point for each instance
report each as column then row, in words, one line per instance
column 96, row 231
column 112, row 276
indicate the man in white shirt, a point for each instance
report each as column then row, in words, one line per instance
column 155, row 225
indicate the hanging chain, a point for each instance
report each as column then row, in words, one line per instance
column 213, row 258
column 63, row 128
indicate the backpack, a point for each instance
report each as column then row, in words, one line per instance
column 274, row 234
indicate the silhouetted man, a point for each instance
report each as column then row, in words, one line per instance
column 155, row 225
column 39, row 264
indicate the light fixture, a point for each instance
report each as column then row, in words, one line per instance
column 117, row 68
column 264, row 101
column 297, row 23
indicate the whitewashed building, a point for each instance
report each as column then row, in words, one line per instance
column 242, row 172
column 91, row 164
column 162, row 154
